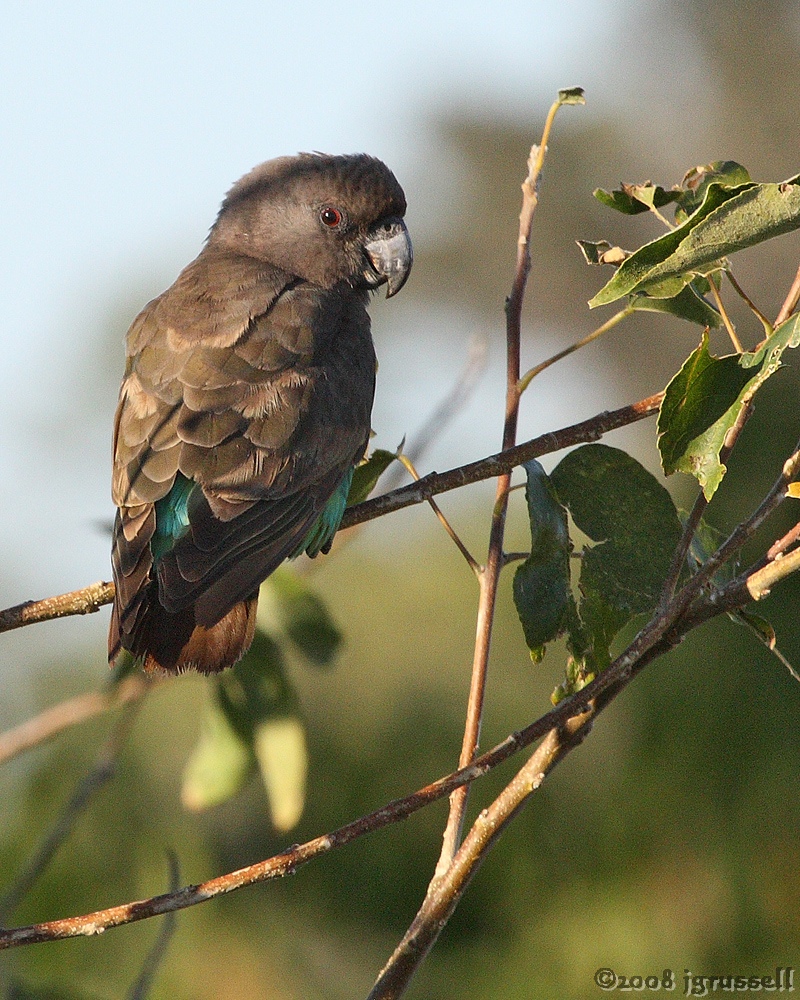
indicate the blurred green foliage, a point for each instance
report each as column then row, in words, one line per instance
column 670, row 838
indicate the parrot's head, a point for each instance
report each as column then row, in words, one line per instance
column 323, row 219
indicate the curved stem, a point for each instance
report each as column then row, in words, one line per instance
column 609, row 324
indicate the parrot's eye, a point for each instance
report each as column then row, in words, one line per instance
column 331, row 217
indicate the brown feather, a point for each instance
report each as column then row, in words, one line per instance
column 174, row 644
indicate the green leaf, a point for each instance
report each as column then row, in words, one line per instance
column 254, row 721
column 705, row 399
column 575, row 678
column 688, row 304
column 705, row 542
column 704, row 390
column 571, row 95
column 622, row 507
column 729, row 219
column 220, row 764
column 287, row 603
column 696, row 182
column 758, row 625
column 280, row 748
column 633, row 199
column 633, row 274
column 769, row 355
column 541, row 583
column 367, row 475
column 256, row 688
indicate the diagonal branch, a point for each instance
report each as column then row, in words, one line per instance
column 658, row 637
column 81, row 708
column 93, row 597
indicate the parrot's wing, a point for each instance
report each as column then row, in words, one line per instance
column 265, row 415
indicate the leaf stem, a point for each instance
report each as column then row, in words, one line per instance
column 737, row 344
column 476, row 568
column 768, row 328
column 531, row 374
column 790, row 302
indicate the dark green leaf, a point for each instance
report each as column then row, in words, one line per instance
column 696, row 181
column 702, row 404
column 752, row 216
column 769, row 355
column 632, row 199
column 367, row 475
column 705, row 542
column 622, row 507
column 633, row 274
column 256, row 688
column 571, row 95
column 703, row 390
column 288, row 604
column 688, row 304
column 261, row 709
column 575, row 678
column 541, row 584
column 758, row 625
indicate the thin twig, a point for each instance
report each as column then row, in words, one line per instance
column 141, row 987
column 101, row 772
column 78, row 602
column 780, row 546
column 440, row 904
column 609, row 324
column 96, row 595
column 737, row 344
column 288, row 861
column 449, row 407
column 490, row 576
column 768, row 328
column 505, row 461
column 790, row 302
column 745, row 530
column 658, row 637
column 471, row 562
column 766, row 640
column 52, row 721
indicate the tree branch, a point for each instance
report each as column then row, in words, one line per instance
column 71, row 712
column 93, row 597
column 101, row 772
column 657, row 638
column 490, row 577
column 77, row 602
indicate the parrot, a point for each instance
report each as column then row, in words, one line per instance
column 246, row 404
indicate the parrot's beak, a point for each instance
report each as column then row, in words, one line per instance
column 390, row 255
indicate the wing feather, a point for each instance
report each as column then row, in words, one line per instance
column 258, row 388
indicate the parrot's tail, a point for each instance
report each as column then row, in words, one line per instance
column 173, row 643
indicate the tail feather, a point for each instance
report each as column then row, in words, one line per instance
column 174, row 643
